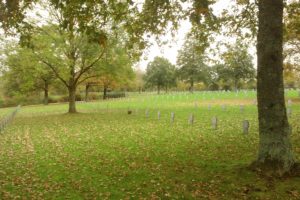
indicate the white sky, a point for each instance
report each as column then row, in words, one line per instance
column 170, row 50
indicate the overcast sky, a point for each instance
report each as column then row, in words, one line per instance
column 170, row 50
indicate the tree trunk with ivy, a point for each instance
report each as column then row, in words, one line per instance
column 275, row 150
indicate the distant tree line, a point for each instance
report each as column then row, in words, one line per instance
column 234, row 71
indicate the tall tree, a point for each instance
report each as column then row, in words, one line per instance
column 275, row 149
column 237, row 65
column 116, row 66
column 76, row 27
column 30, row 73
column 191, row 61
column 70, row 56
column 160, row 73
column 139, row 81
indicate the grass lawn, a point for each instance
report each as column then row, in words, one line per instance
column 104, row 153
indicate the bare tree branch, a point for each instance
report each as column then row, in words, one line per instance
column 86, row 78
column 87, row 68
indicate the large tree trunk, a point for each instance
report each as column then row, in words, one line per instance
column 46, row 93
column 72, row 99
column 275, row 151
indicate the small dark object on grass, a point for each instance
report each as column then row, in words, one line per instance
column 129, row 112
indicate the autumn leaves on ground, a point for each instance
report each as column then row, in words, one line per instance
column 104, row 153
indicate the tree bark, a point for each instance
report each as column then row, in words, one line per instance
column 105, row 92
column 275, row 151
column 87, row 87
column 46, row 93
column 235, row 85
column 72, row 99
column 192, row 86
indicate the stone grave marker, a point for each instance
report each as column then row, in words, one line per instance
column 289, row 112
column 242, row 108
column 289, row 102
column 246, row 126
column 191, row 119
column 172, row 117
column 209, row 107
column 224, row 107
column 214, row 122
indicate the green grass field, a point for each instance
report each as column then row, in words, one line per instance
column 104, row 153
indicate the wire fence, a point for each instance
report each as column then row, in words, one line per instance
column 8, row 119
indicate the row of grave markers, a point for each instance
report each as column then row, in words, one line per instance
column 224, row 108
column 214, row 121
column 191, row 120
column 8, row 118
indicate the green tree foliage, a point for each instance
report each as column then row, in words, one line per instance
column 76, row 37
column 237, row 67
column 139, row 83
column 160, row 73
column 69, row 55
column 25, row 73
column 12, row 14
column 291, row 75
column 191, row 62
column 291, row 32
column 115, row 69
